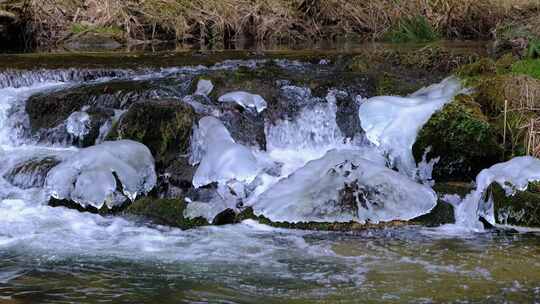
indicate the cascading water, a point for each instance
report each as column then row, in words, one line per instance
column 308, row 167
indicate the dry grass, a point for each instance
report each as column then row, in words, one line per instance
column 268, row 20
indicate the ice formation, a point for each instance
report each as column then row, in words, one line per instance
column 204, row 87
column 345, row 186
column 315, row 127
column 246, row 100
column 78, row 124
column 514, row 175
column 392, row 123
column 220, row 159
column 89, row 177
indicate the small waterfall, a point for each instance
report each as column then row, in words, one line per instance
column 27, row 78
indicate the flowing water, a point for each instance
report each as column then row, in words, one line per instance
column 59, row 255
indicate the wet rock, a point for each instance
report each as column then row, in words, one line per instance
column 228, row 216
column 31, row 173
column 168, row 212
column 66, row 203
column 519, row 209
column 352, row 226
column 49, row 112
column 463, row 139
column 164, row 126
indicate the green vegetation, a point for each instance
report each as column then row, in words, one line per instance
column 413, row 29
column 529, row 67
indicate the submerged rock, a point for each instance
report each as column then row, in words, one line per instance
column 168, row 212
column 462, row 139
column 109, row 174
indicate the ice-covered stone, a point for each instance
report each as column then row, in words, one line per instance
column 204, row 87
column 392, row 123
column 78, row 124
column 106, row 174
column 220, row 158
column 345, row 186
column 514, row 175
column 246, row 100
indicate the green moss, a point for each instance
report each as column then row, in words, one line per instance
column 530, row 67
column 472, row 71
column 520, row 209
column 168, row 212
column 463, row 139
column 163, row 126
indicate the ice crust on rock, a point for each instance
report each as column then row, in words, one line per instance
column 204, row 87
column 246, row 100
column 345, row 186
column 78, row 124
column 392, row 123
column 513, row 175
column 89, row 177
column 220, row 159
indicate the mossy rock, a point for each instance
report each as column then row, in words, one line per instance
column 169, row 212
column 164, row 126
column 462, row 137
column 317, row 226
column 49, row 110
column 520, row 209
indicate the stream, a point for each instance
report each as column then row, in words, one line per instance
column 60, row 255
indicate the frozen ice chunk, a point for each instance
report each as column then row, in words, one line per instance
column 221, row 159
column 78, row 124
column 392, row 123
column 344, row 186
column 246, row 100
column 513, row 175
column 204, row 87
column 315, row 127
column 106, row 174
